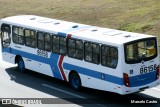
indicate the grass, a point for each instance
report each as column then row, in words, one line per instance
column 135, row 15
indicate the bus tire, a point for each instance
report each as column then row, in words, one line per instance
column 75, row 81
column 21, row 65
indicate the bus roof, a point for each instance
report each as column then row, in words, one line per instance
column 81, row 31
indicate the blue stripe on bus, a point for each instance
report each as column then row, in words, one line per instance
column 145, row 78
column 142, row 79
column 62, row 34
column 6, row 50
column 53, row 60
column 94, row 74
column 54, row 65
column 27, row 55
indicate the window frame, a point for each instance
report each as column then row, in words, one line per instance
column 110, row 55
column 35, row 32
column 99, row 59
column 22, row 36
column 50, row 42
column 44, row 41
column 75, row 48
column 59, row 44
column 38, row 40
column 140, row 60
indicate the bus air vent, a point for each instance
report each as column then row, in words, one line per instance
column 112, row 33
column 45, row 21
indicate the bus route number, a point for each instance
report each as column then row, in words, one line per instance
column 42, row 53
column 148, row 69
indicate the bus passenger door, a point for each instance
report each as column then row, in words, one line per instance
column 5, row 35
column 5, row 41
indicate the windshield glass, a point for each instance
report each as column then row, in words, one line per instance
column 140, row 50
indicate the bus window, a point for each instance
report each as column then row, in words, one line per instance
column 55, row 43
column 59, row 45
column 79, row 49
column 40, row 41
column 104, row 53
column 71, row 48
column 114, row 57
column 88, row 52
column 30, row 38
column 92, row 52
column 63, row 49
column 109, row 56
column 96, row 53
column 18, row 35
column 140, row 50
column 75, row 49
column 48, row 42
column 44, row 41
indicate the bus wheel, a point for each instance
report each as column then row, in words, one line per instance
column 75, row 81
column 21, row 65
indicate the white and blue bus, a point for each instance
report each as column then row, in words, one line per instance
column 83, row 55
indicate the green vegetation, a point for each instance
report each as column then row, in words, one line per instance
column 135, row 15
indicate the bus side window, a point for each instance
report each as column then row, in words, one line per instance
column 59, row 45
column 55, row 44
column 92, row 52
column 33, row 39
column 71, row 48
column 30, row 38
column 109, row 56
column 105, row 56
column 88, row 51
column 63, row 49
column 79, row 49
column 40, row 40
column 47, row 42
column 75, row 49
column 96, row 53
column 18, row 35
column 114, row 57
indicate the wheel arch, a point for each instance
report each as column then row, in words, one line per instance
column 71, row 72
column 16, row 58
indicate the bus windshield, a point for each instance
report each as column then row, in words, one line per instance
column 140, row 50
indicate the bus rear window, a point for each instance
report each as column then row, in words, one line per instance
column 140, row 50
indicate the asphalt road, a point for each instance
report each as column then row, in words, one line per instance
column 30, row 86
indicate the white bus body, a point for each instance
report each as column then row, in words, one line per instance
column 84, row 55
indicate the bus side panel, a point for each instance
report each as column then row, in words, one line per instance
column 7, row 54
column 95, row 76
column 8, row 57
column 95, row 83
column 32, row 61
column 38, row 67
